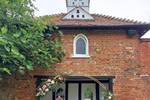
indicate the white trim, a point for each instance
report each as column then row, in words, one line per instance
column 81, row 56
column 87, row 47
column 146, row 35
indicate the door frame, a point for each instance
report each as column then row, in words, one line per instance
column 80, row 80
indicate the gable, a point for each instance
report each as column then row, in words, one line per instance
column 78, row 13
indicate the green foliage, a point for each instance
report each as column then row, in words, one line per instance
column 26, row 42
column 88, row 93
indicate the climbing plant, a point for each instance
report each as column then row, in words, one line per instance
column 50, row 84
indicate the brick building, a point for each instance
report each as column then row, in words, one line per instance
column 107, row 48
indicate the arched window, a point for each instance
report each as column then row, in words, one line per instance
column 81, row 46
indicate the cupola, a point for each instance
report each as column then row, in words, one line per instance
column 78, row 9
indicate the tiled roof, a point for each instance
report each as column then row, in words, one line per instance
column 99, row 20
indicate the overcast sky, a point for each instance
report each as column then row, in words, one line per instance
column 131, row 9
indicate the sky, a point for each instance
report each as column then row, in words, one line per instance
column 130, row 9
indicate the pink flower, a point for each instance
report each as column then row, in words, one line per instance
column 52, row 82
column 40, row 89
column 61, row 78
column 109, row 97
column 38, row 94
column 49, row 80
column 46, row 90
column 59, row 98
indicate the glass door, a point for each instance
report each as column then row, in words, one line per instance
column 73, row 91
column 88, row 91
column 102, row 91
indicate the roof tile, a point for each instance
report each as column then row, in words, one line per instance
column 102, row 20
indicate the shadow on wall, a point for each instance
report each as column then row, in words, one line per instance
column 7, row 88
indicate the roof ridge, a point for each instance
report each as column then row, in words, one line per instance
column 120, row 19
column 107, row 16
column 54, row 14
column 99, row 19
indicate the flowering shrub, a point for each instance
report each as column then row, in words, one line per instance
column 108, row 96
column 48, row 85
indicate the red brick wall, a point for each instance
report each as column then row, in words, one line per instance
column 112, row 53
column 25, row 89
column 144, row 51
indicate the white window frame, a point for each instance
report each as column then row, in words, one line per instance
column 87, row 47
